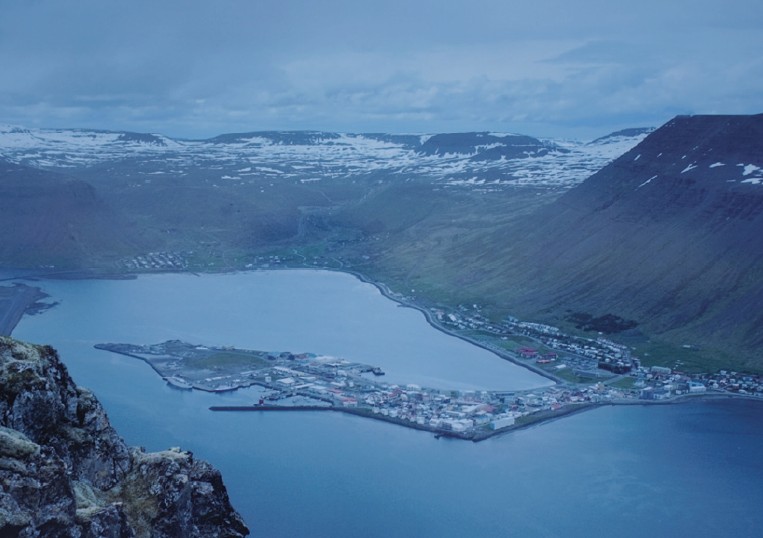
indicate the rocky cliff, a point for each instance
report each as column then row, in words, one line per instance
column 64, row 471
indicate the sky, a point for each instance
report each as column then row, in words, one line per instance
column 552, row 68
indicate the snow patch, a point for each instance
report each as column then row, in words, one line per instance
column 335, row 156
column 754, row 180
column 716, row 165
column 471, row 181
column 692, row 166
column 637, row 157
column 749, row 169
column 646, row 182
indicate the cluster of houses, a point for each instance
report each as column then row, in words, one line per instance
column 467, row 414
column 459, row 412
column 310, row 380
column 163, row 261
column 306, row 380
column 600, row 358
column 604, row 353
column 342, row 384
column 660, row 383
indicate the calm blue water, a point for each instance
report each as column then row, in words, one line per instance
column 687, row 470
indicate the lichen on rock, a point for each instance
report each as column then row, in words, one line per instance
column 64, row 471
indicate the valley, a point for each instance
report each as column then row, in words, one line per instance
column 544, row 231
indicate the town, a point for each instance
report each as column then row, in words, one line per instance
column 306, row 381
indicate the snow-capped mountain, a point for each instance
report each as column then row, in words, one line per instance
column 476, row 160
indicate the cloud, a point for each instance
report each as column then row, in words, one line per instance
column 197, row 68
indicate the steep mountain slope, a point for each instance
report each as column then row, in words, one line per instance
column 65, row 471
column 668, row 235
column 53, row 219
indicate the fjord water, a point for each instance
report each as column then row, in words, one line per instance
column 692, row 469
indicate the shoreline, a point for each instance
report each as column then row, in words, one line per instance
column 535, row 419
column 164, row 378
column 383, row 289
column 386, row 292
column 32, row 295
column 22, row 299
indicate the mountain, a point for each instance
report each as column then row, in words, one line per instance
column 469, row 160
column 624, row 134
column 667, row 235
column 50, row 218
column 660, row 248
column 66, row 472
column 488, row 146
column 74, row 199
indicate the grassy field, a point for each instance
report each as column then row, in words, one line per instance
column 693, row 360
column 227, row 360
column 626, row 383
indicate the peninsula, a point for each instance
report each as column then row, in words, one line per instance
column 286, row 381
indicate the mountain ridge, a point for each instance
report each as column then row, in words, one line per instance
column 453, row 159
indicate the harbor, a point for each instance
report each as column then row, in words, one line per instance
column 286, row 381
column 336, row 460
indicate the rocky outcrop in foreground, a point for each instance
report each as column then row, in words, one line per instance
column 64, row 471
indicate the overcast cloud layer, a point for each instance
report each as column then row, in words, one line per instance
column 547, row 68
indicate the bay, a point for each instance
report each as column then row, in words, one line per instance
column 323, row 312
column 691, row 469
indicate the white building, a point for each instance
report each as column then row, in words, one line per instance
column 502, row 422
